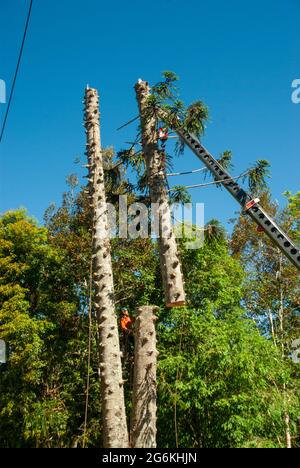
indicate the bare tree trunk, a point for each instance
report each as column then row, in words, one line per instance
column 288, row 437
column 169, row 259
column 143, row 424
column 115, row 432
column 272, row 327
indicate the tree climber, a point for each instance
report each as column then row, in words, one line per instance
column 163, row 135
column 126, row 323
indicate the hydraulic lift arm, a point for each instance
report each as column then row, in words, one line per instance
column 249, row 205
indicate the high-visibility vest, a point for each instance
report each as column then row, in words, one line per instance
column 163, row 134
column 126, row 323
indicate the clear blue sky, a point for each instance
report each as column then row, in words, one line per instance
column 239, row 57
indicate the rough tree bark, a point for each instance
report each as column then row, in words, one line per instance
column 143, row 423
column 169, row 259
column 115, row 433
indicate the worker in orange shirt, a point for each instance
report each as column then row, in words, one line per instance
column 126, row 323
column 163, row 135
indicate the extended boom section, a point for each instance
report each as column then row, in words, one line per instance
column 250, row 206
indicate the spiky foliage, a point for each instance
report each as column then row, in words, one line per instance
column 257, row 176
column 195, row 118
column 164, row 96
column 215, row 231
column 132, row 158
column 179, row 147
column 170, row 76
column 166, row 89
column 226, row 160
column 179, row 195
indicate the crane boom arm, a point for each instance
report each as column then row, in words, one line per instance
column 252, row 207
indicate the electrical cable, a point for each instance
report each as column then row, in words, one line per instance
column 210, row 183
column 17, row 70
column 186, row 173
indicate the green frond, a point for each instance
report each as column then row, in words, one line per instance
column 179, row 147
column 131, row 158
column 169, row 161
column 162, row 90
column 179, row 194
column 125, row 156
column 195, row 118
column 153, row 105
column 170, row 76
column 175, row 113
column 226, row 160
column 166, row 89
column 214, row 231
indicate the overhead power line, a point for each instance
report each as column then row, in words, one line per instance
column 186, row 173
column 17, row 70
column 128, row 123
column 188, row 187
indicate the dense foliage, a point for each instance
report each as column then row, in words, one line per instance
column 222, row 381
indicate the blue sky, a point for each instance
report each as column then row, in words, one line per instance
column 239, row 57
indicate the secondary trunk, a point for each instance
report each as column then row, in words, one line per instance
column 143, row 425
column 170, row 265
column 115, row 434
column 288, row 438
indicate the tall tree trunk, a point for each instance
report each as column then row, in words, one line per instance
column 115, row 434
column 143, row 424
column 169, row 259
